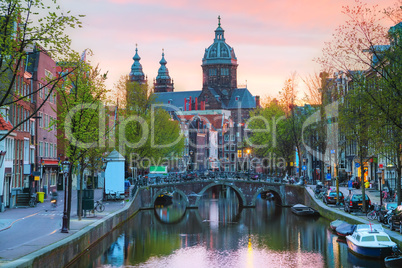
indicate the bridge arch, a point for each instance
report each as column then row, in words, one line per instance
column 162, row 190
column 273, row 190
column 239, row 193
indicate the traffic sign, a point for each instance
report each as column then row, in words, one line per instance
column 332, row 151
column 380, row 166
column 328, row 176
column 304, row 167
column 357, row 165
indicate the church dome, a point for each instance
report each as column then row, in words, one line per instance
column 219, row 52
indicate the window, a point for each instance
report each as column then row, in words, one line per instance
column 232, row 157
column 226, row 147
column 233, row 169
column 239, row 153
column 224, row 71
column 226, row 137
column 52, row 178
column 46, row 153
column 368, row 238
column 382, row 238
column 232, row 147
column 55, row 150
column 40, row 148
column 212, row 72
column 40, row 91
column 40, row 118
column 232, row 137
column 51, row 151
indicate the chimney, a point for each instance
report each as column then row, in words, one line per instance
column 185, row 104
column 189, row 105
column 257, row 101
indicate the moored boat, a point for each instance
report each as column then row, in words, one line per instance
column 164, row 199
column 302, row 210
column 335, row 224
column 345, row 229
column 369, row 227
column 375, row 244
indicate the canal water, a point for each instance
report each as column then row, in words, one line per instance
column 219, row 234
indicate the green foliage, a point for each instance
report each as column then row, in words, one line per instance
column 146, row 129
column 23, row 25
column 81, row 98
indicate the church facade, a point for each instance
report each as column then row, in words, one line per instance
column 212, row 119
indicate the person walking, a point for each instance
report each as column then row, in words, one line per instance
column 350, row 186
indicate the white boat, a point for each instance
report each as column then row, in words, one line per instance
column 369, row 227
column 373, row 244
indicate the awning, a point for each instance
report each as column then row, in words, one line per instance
column 50, row 162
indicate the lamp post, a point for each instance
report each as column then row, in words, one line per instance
column 66, row 167
column 379, row 173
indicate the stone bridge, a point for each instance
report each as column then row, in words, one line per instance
column 247, row 191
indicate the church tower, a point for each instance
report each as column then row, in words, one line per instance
column 136, row 74
column 163, row 82
column 219, row 67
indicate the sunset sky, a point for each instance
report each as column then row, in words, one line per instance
column 271, row 38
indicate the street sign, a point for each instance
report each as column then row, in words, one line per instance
column 380, row 166
column 357, row 165
column 332, row 151
column 328, row 176
column 304, row 167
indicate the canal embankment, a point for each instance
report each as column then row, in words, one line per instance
column 65, row 251
column 334, row 213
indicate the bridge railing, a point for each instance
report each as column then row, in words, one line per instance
column 143, row 181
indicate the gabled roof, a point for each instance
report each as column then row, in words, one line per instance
column 4, row 125
column 245, row 99
column 176, row 98
column 115, row 156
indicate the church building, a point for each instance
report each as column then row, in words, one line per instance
column 212, row 119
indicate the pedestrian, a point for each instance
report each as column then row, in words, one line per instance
column 350, row 186
column 367, row 184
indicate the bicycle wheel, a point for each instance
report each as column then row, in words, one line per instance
column 100, row 207
column 372, row 215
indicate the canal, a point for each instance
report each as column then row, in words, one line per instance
column 219, row 234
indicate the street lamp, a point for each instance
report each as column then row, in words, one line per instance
column 66, row 166
column 379, row 172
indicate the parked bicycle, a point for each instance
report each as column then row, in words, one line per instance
column 374, row 214
column 32, row 201
column 99, row 206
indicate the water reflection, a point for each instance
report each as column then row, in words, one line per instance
column 173, row 212
column 219, row 234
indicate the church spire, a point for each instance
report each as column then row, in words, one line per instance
column 163, row 81
column 219, row 31
column 136, row 73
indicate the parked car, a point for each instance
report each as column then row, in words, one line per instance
column 395, row 223
column 354, row 202
column 330, row 197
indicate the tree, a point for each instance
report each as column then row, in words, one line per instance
column 364, row 43
column 145, row 129
column 23, row 24
column 81, row 98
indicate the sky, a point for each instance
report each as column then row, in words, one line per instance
column 272, row 39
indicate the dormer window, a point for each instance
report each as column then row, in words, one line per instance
column 170, row 101
column 237, row 98
column 224, row 71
